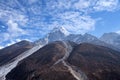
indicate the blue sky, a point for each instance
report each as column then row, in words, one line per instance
column 32, row 19
column 110, row 22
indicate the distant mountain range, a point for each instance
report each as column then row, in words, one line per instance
column 111, row 40
column 63, row 56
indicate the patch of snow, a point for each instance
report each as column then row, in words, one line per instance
column 1, row 47
column 69, row 49
column 73, row 72
column 62, row 30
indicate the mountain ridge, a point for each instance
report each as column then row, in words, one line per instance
column 58, row 35
column 88, row 42
column 51, row 62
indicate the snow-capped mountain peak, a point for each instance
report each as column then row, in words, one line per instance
column 60, row 29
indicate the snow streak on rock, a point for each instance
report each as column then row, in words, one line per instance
column 5, row 69
column 69, row 49
column 77, row 75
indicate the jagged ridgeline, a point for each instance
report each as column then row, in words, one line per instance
column 64, row 60
column 62, row 56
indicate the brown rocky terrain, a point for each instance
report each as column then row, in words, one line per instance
column 69, row 61
column 10, row 52
column 98, row 62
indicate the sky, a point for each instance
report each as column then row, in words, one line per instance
column 33, row 19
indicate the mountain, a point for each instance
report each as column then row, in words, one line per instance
column 59, row 34
column 111, row 38
column 10, row 52
column 62, row 56
column 65, row 60
column 10, row 56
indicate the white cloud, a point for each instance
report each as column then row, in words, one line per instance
column 106, row 5
column 5, row 36
column 13, row 20
column 118, row 31
column 1, row 47
column 13, row 29
column 32, row 1
column 11, row 43
column 75, row 22
column 18, row 40
column 81, row 4
column 37, row 18
column 2, row 26
column 12, row 32
column 74, row 14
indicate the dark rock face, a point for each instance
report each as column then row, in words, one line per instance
column 10, row 52
column 96, row 62
column 39, row 65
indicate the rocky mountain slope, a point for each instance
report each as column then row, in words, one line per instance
column 71, row 57
column 10, row 52
column 63, row 60
column 19, row 51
